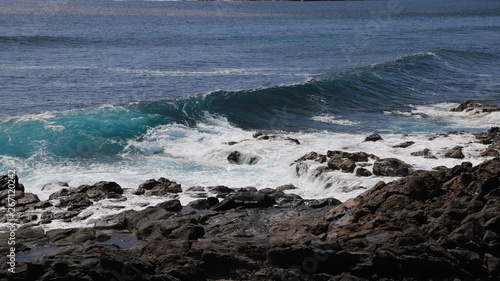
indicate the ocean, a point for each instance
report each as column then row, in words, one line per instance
column 126, row 91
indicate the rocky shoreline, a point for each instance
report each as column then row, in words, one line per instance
column 442, row 224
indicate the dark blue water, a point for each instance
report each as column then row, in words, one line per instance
column 104, row 73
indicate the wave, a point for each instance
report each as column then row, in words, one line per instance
column 359, row 97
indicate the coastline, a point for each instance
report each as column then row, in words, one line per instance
column 410, row 228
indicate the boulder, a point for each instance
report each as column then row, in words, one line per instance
column 238, row 158
column 75, row 202
column 160, row 187
column 392, row 167
column 404, row 144
column 373, row 137
column 101, row 190
column 475, row 108
column 7, row 180
column 203, row 204
column 362, row 172
column 455, row 152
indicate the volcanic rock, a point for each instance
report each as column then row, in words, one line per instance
column 160, row 187
column 392, row 167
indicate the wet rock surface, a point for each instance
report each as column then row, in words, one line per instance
column 428, row 225
column 475, row 108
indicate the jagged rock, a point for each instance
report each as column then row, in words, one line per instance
column 258, row 134
column 476, row 108
column 362, row 172
column 101, row 190
column 425, row 226
column 97, row 191
column 75, row 202
column 171, row 205
column 282, row 188
column 27, row 199
column 202, row 204
column 312, row 156
column 439, row 225
column 455, row 152
column 196, row 189
column 70, row 236
column 236, row 157
column 404, row 144
column 160, row 187
column 490, row 152
column 7, row 180
column 426, row 153
column 292, row 140
column 220, row 189
column 373, row 137
column 392, row 167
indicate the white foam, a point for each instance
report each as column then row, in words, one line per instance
column 440, row 112
column 198, row 157
column 327, row 118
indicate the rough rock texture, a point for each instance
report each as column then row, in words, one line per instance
column 160, row 187
column 492, row 139
column 430, row 225
column 392, row 167
column 238, row 158
column 373, row 137
column 475, row 108
column 455, row 152
column 335, row 160
column 437, row 225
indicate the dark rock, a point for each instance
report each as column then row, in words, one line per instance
column 430, row 225
column 348, row 166
column 292, row 140
column 42, row 205
column 28, row 198
column 373, row 137
column 7, row 180
column 426, row 153
column 203, row 204
column 455, row 152
column 76, row 202
column 256, row 135
column 237, row 158
column 196, row 189
column 171, row 205
column 160, row 187
column 62, row 193
column 246, row 189
column 476, row 108
column 71, row 236
column 220, row 189
column 404, row 144
column 334, row 163
column 312, row 156
column 362, row 172
column 392, row 167
column 490, row 152
column 282, row 188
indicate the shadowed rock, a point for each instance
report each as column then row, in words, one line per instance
column 392, row 167
column 160, row 187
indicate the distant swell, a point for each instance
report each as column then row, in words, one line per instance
column 360, row 95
